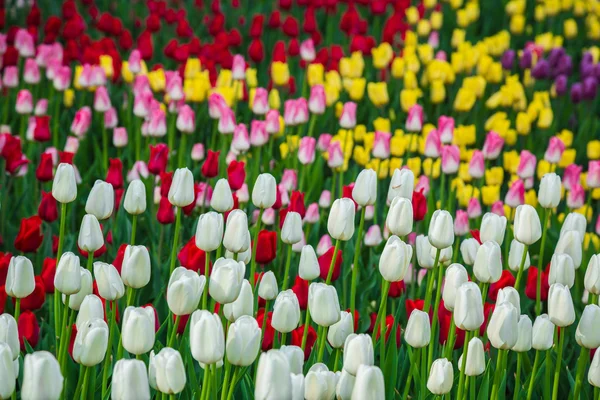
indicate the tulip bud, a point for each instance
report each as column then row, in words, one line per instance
column 424, row 252
column 264, row 192
column 524, row 335
column 456, row 275
column 338, row 332
column 400, row 217
column 207, row 340
column 136, row 268
column 358, row 350
column 226, row 280
column 222, row 199
column 91, row 342
column 445, row 254
column 527, row 229
column 492, row 228
column 101, row 201
column 209, row 232
column 468, row 250
column 475, row 364
column 130, row 380
column 365, row 188
column 41, row 377
column 594, row 372
column 137, row 333
column 135, row 198
column 570, row 243
column 369, row 383
column 587, row 334
column 291, row 232
column 468, row 307
column 243, row 305
column 184, row 291
column 550, row 190
column 592, row 275
column 574, row 222
column 560, row 305
column 510, row 295
column 286, row 312
column 166, row 372
column 345, row 386
column 295, row 357
column 340, row 223
column 562, row 270
column 441, row 229
column 76, row 299
column 323, row 304
column 267, row 289
column 273, row 379
column 441, row 376
column 395, row 259
column 90, row 234
column 243, row 341
column 67, row 278
column 20, row 281
column 237, row 237
column 9, row 334
column 543, row 333
column 7, row 371
column 181, row 192
column 64, row 186
column 488, row 262
column 91, row 308
column 108, row 280
column 418, row 329
column 319, row 383
column 515, row 255
column 309, row 264
column 401, row 185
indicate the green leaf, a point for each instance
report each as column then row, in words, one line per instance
column 390, row 369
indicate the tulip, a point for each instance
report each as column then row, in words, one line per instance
column 348, row 116
column 562, row 270
column 373, row 237
column 338, row 332
column 365, row 188
column 101, row 200
column 166, row 371
column 243, row 305
column 592, row 275
column 130, row 381
column 570, row 243
column 358, row 350
column 543, row 333
column 468, row 307
column 369, row 383
column 136, row 268
column 549, row 193
column 594, row 372
column 441, row 230
column 395, row 259
column 401, row 184
column 527, row 225
column 400, row 217
column 91, row 308
column 264, row 192
column 226, row 280
column 41, row 377
column 468, row 250
column 308, row 268
column 414, row 120
column 273, row 378
column 7, row 371
column 323, row 304
column 475, row 362
column 587, row 335
column 237, row 237
column 515, row 256
column 574, row 222
column 295, row 357
column 524, row 335
column 20, row 281
column 456, row 275
column 209, row 232
column 502, row 328
column 418, row 329
column 319, row 383
column 137, row 333
column 135, row 198
column 75, row 300
column 90, row 234
column 291, row 232
column 207, row 339
column 340, row 223
column 184, row 291
column 345, row 386
column 267, row 289
column 424, row 251
column 243, row 341
column 560, row 305
column 9, row 334
column 110, row 284
column 91, row 342
column 64, row 186
column 492, row 228
column 488, row 263
column 181, row 192
column 441, row 377
column 286, row 312
column 510, row 295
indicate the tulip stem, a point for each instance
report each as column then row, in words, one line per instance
column 521, row 266
column 322, row 341
column 175, row 240
column 224, row 388
column 17, row 309
column 182, row 150
column 498, row 373
column 548, row 374
column 411, row 371
column 133, row 229
column 333, row 260
column 174, row 332
column 336, row 362
column 63, row 334
column 559, row 353
column 385, row 288
column 430, row 281
column 255, row 247
column 207, row 276
column 538, row 296
column 423, row 361
column 107, row 359
column 461, row 381
column 518, row 376
column 205, row 381
column 283, row 339
column 306, row 326
column 234, row 380
column 581, row 366
column 288, row 262
column 61, row 235
column 450, row 340
column 90, row 261
column 355, row 263
column 86, row 379
column 536, row 364
column 438, row 295
column 129, row 296
column 104, row 145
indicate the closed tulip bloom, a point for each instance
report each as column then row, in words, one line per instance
column 400, row 217
column 528, row 229
column 243, row 305
column 91, row 343
column 445, row 254
column 365, row 188
column 395, row 259
column 76, row 299
column 101, row 200
column 136, row 268
column 42, row 379
column 166, row 371
column 181, row 192
column 588, row 334
column 7, row 371
column 502, row 329
column 515, row 256
column 323, row 304
column 207, row 339
column 20, row 281
column 570, row 243
column 488, row 262
column 267, row 289
column 511, row 295
column 492, row 228
column 9, row 334
column 243, row 341
column 91, row 308
column 209, row 232
column 297, row 382
column 291, row 231
column 369, row 384
column 468, row 250
column 574, row 222
column 592, row 275
column 441, row 229
column 524, row 329
column 345, row 386
column 358, row 350
column 340, row 223
column 109, row 282
column 90, row 234
column 264, row 192
column 560, row 305
column 184, row 291
column 67, row 278
column 130, row 381
column 64, row 186
column 455, row 276
column 562, row 270
column 543, row 333
column 273, row 378
column 441, row 376
column 594, row 372
column 424, row 251
column 319, row 383
column 222, row 199
column 549, row 192
column 135, row 198
column 475, row 364
column 308, row 268
column 401, row 185
column 137, row 333
column 373, row 237
column 236, row 238
column 286, row 312
column 295, row 357
column 418, row 329
column 226, row 280
column 338, row 332
column 468, row 307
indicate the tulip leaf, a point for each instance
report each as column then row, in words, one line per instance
column 390, row 369
column 484, row 389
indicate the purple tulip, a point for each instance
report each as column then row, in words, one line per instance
column 560, row 85
column 525, row 61
column 541, row 70
column 590, row 87
column 586, row 69
column 508, row 59
column 576, row 92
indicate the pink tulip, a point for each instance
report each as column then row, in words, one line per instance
column 198, row 152
column 324, row 142
column 268, row 217
column 576, row 196
column 450, row 159
column 135, row 62
column 120, row 137
column 289, row 111
column 423, row 185
column 528, row 183
column 51, row 68
column 186, row 119
column 593, row 174
column 317, row 102
column 301, row 112
column 81, row 122
column 31, row 72
column 433, row 144
column 174, row 88
column 307, row 50
column 461, row 223
column 98, row 76
column 24, row 103
column 555, row 149
column 336, row 155
column 53, row 151
column 85, row 78
column 110, row 118
column 598, row 225
column 492, row 146
column 25, row 43
column 446, row 129
column 283, row 193
column 515, row 196
column 238, row 68
column 141, row 84
column 41, row 107
column 306, row 150
column 138, row 171
column 216, row 103
column 227, row 122
column 312, row 213
column 141, row 104
column 157, row 123
column 477, row 165
column 289, row 180
column 527, row 162
column 381, row 145
column 414, row 120
column 260, row 103
column 324, row 245
column 258, row 133
column 474, row 208
column 434, row 40
column 10, row 79
column 241, row 140
column 62, row 78
column 242, row 194
column 101, row 100
column 72, row 145
column 49, row 56
column 230, row 157
column 498, row 208
column 325, row 199
column 348, row 116
column 373, row 236
column 272, row 121
column 204, row 196
column 29, row 133
column 571, row 176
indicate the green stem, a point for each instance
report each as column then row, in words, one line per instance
column 438, row 295
column 63, row 334
column 205, row 382
column 333, row 259
column 207, row 275
column 107, row 359
column 288, row 262
column 306, row 326
column 431, row 280
column 175, row 240
column 521, row 266
column 133, row 229
column 518, row 376
column 224, row 390
column 174, row 332
column 17, row 309
column 90, row 262
column 461, row 381
column 336, row 362
column 233, row 383
column 559, row 353
column 283, row 339
column 581, row 366
column 536, row 364
column 86, row 379
column 538, row 296
column 451, row 337
column 498, row 373
column 61, row 238
column 385, row 288
column 548, row 375
column 355, row 263
column 322, row 341
column 413, row 365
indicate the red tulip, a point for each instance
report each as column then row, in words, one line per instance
column 3, row 297
column 256, row 26
column 210, row 168
column 236, row 174
column 72, row 339
column 159, row 157
column 389, row 325
column 325, row 263
column 531, row 287
column 396, row 289
column 300, row 289
column 165, row 214
column 114, row 176
column 47, row 275
column 267, row 341
column 47, row 210
column 29, row 329
column 166, row 178
column 183, row 320
column 274, row 19
column 412, row 305
column 43, row 172
column 311, row 339
column 65, row 157
column 41, row 133
column 35, row 300
column 297, row 203
column 506, row 279
column 445, row 316
column 118, row 261
column 279, row 52
column 475, row 235
column 145, row 46
column 30, row 235
column 256, row 51
column 347, row 193
column 191, row 257
column 266, row 248
column 419, row 205
column 4, row 262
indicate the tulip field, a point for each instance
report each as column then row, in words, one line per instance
column 299, row 199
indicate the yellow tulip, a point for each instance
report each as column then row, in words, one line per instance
column 408, row 98
column 523, row 124
column 378, row 93
column 251, row 78
column 458, row 37
column 438, row 92
column 382, row 55
column 531, row 198
column 126, row 73
column 360, row 132
column 355, row 88
column 157, row 80
column 332, row 94
column 412, row 15
column 490, row 195
column 397, row 146
column 274, row 100
column 280, row 73
column 517, row 24
column 225, row 78
column 76, row 75
column 398, row 67
column 590, row 238
column 333, row 78
column 539, row 13
column 423, row 28
column 568, row 158
column 432, row 168
column 437, row 19
column 462, row 18
column 284, row 150
column 414, row 164
column 106, row 62
column 545, row 118
column 429, row 3
column 425, row 52
column 510, row 161
column 68, row 98
column 412, row 62
column 464, row 101
column 543, row 167
column 315, row 73
column 192, row 68
column 464, row 135
column 593, row 149
column 395, row 163
column 494, row 176
column 455, row 4
column 566, row 136
column 382, row 125
column 570, row 28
